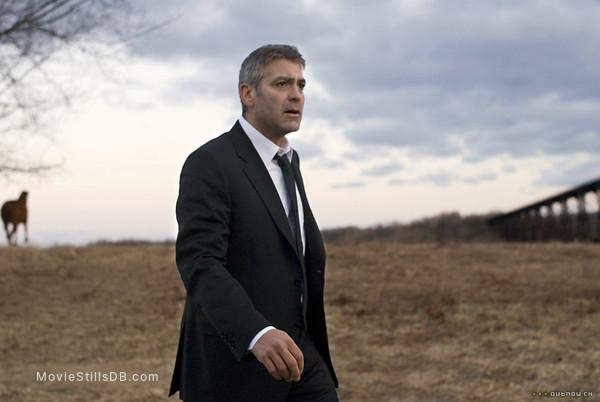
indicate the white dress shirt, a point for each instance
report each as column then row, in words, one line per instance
column 267, row 150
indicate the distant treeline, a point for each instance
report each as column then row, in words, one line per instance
column 133, row 242
column 447, row 227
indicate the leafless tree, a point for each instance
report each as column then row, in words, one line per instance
column 39, row 41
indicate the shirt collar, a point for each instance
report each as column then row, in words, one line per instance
column 265, row 148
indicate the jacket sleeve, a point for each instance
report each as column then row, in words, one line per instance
column 203, row 212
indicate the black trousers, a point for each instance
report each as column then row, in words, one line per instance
column 315, row 384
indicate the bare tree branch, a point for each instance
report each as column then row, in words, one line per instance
column 33, row 33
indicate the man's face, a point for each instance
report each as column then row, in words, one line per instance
column 275, row 107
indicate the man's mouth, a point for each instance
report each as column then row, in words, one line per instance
column 292, row 112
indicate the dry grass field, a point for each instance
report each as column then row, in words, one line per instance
column 459, row 322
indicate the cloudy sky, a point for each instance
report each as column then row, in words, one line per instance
column 413, row 108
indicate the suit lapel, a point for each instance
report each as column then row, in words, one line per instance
column 261, row 180
column 314, row 261
column 311, row 228
column 300, row 183
column 308, row 216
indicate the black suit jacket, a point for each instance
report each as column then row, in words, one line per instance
column 236, row 256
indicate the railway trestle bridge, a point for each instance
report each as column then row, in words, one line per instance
column 570, row 216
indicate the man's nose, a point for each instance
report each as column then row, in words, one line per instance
column 295, row 93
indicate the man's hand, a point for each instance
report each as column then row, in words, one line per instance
column 280, row 355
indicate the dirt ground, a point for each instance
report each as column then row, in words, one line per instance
column 460, row 322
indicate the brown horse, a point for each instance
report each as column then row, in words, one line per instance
column 15, row 212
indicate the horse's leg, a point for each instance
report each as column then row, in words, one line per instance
column 13, row 234
column 26, row 233
column 10, row 234
column 7, row 234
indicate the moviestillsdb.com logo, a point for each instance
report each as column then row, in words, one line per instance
column 95, row 376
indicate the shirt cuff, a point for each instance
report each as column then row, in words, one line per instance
column 257, row 337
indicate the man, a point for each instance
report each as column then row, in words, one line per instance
column 250, row 253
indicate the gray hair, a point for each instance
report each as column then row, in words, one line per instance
column 252, row 69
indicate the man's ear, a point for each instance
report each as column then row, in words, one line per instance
column 247, row 95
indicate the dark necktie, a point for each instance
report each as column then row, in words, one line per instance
column 290, row 185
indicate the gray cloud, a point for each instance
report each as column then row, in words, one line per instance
column 352, row 184
column 486, row 176
column 446, row 178
column 468, row 78
column 228, row 31
column 383, row 170
column 440, row 178
column 398, row 182
column 307, row 150
column 367, row 153
column 580, row 173
column 424, row 138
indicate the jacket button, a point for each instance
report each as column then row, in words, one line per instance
column 298, row 282
column 296, row 327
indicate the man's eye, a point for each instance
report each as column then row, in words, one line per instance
column 281, row 84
